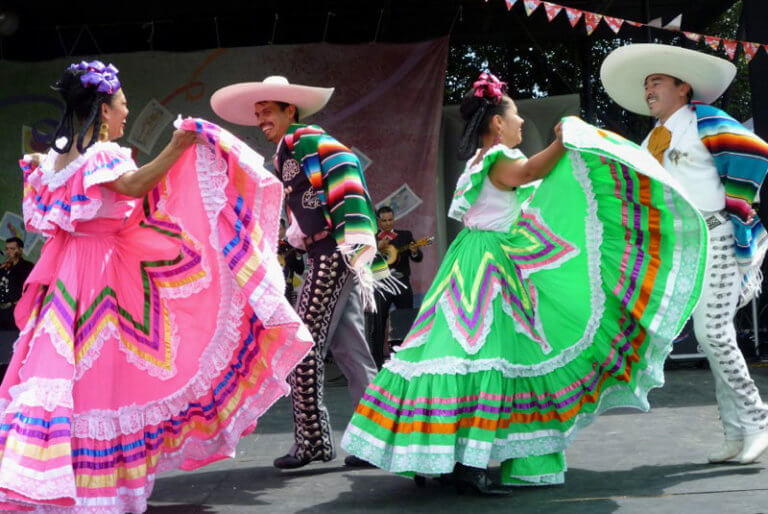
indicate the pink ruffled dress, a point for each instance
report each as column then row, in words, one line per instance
column 154, row 332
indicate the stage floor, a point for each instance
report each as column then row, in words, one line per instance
column 626, row 462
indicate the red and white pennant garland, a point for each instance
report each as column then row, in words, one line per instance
column 592, row 20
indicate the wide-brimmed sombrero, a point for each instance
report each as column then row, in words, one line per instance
column 624, row 71
column 235, row 103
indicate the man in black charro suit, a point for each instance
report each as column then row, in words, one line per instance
column 401, row 269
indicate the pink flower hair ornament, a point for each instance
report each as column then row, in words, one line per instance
column 490, row 87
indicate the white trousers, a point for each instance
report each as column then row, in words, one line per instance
column 742, row 412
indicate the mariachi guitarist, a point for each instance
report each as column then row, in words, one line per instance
column 401, row 269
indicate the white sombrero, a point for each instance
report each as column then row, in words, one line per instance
column 235, row 103
column 624, row 71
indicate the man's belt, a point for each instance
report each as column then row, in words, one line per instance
column 716, row 219
column 310, row 240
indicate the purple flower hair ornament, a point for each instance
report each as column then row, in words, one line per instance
column 103, row 78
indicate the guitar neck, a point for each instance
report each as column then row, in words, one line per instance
column 404, row 248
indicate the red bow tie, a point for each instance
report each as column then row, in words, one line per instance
column 388, row 235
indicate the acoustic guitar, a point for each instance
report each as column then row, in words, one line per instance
column 392, row 254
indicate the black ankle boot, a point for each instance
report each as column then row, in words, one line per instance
column 291, row 461
column 476, row 480
column 353, row 461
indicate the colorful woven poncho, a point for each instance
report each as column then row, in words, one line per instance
column 741, row 158
column 334, row 172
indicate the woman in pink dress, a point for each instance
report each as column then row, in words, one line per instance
column 154, row 327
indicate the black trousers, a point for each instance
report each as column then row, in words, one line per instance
column 7, row 322
column 326, row 275
column 378, row 320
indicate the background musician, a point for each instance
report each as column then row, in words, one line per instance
column 13, row 272
column 401, row 269
column 291, row 260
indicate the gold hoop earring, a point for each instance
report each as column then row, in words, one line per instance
column 104, row 132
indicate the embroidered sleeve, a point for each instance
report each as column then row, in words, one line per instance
column 471, row 180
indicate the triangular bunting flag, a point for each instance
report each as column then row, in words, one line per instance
column 614, row 23
column 634, row 23
column 675, row 24
column 712, row 41
column 730, row 47
column 552, row 10
column 592, row 20
column 574, row 15
column 531, row 5
column 692, row 36
column 750, row 49
column 510, row 3
column 656, row 22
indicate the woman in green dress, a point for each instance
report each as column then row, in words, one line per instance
column 556, row 302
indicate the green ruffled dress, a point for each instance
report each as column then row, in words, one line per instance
column 531, row 329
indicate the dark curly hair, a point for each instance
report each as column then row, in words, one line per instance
column 477, row 112
column 83, row 102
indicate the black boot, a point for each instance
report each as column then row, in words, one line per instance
column 291, row 461
column 353, row 461
column 476, row 480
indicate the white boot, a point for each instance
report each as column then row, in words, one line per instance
column 754, row 446
column 730, row 449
